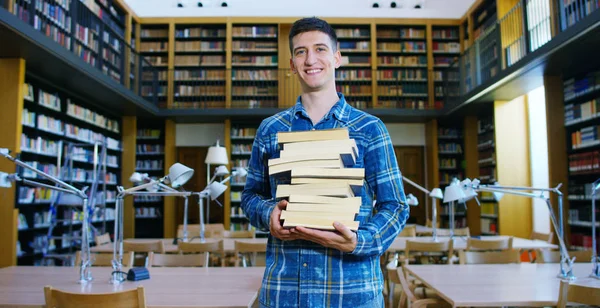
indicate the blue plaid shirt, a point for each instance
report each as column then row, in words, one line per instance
column 305, row 274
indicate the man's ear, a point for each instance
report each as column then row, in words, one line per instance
column 338, row 58
column 292, row 66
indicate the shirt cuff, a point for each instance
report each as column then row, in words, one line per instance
column 266, row 217
column 362, row 238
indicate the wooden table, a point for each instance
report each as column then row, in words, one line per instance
column 228, row 243
column 479, row 285
column 460, row 243
column 23, row 286
column 421, row 229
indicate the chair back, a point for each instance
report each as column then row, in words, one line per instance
column 146, row 246
column 134, row 298
column 553, row 256
column 207, row 249
column 240, row 234
column 448, row 232
column 489, row 257
column 210, row 230
column 577, row 294
column 105, row 259
column 408, row 231
column 420, row 246
column 176, row 260
column 103, row 239
column 243, row 249
column 546, row 237
column 398, row 276
column 488, row 244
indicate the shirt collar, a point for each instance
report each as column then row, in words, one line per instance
column 341, row 109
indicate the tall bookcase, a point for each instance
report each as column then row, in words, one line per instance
column 353, row 77
column 58, row 128
column 402, row 79
column 582, row 110
column 451, row 165
column 486, row 32
column 254, row 66
column 149, row 159
column 486, row 147
column 154, row 47
column 199, row 71
column 446, row 74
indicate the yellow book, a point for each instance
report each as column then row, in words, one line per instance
column 321, row 163
column 330, row 215
column 300, row 198
column 344, row 190
column 313, row 135
column 322, row 223
column 343, row 173
column 323, row 207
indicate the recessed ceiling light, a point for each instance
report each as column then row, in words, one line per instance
column 375, row 5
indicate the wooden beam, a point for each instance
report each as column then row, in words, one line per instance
column 129, row 131
column 432, row 160
column 171, row 66
column 169, row 213
column 227, row 194
column 12, row 78
column 431, row 77
column 127, row 55
column 290, row 20
column 470, row 135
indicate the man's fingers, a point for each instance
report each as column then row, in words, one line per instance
column 343, row 230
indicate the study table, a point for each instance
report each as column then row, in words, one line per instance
column 460, row 243
column 228, row 243
column 478, row 285
column 23, row 286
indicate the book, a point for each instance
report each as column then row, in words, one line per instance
column 290, row 158
column 334, row 190
column 346, row 155
column 322, row 223
column 323, row 207
column 343, row 216
column 356, row 185
column 322, row 163
column 313, row 135
column 343, row 173
column 346, row 148
column 300, row 198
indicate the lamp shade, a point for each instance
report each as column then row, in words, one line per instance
column 436, row 193
column 3, row 151
column 221, row 171
column 412, row 200
column 498, row 195
column 216, row 189
column 240, row 172
column 453, row 192
column 217, row 155
column 468, row 190
column 179, row 174
column 137, row 177
column 4, row 181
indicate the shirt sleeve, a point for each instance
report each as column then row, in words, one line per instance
column 257, row 201
column 383, row 176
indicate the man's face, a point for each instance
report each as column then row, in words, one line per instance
column 315, row 61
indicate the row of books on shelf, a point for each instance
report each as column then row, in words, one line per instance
column 440, row 61
column 402, row 74
column 241, row 148
column 445, row 132
column 446, row 47
column 582, row 240
column 447, row 177
column 56, row 13
column 148, row 133
column 448, row 33
column 142, row 149
column 203, row 90
column 204, row 74
column 488, row 226
column 254, row 90
column 448, row 163
column 243, row 132
column 585, row 137
column 355, row 46
column 416, row 47
column 583, row 215
column 575, row 113
column 254, row 31
column 404, row 33
column 400, row 89
column 449, row 148
column 195, row 46
column 576, row 10
column 353, row 33
column 28, row 195
column 105, row 15
column 237, row 211
column 199, row 33
column 147, row 212
column 149, row 165
column 147, row 199
column 417, row 61
column 578, row 191
column 588, row 162
column 39, row 145
column 575, row 87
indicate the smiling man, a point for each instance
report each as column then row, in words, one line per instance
column 314, row 268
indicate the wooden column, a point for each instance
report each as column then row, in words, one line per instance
column 12, row 78
column 169, row 216
column 472, row 171
column 557, row 145
column 512, row 165
column 171, row 66
column 129, row 131
column 432, row 161
column 228, row 58
column 227, row 194
column 430, row 65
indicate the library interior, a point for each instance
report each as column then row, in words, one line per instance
column 128, row 129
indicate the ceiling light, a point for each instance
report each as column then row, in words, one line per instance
column 375, row 5
column 199, row 4
column 393, row 4
column 223, row 4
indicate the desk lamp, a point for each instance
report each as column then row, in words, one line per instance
column 435, row 194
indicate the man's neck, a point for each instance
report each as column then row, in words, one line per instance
column 317, row 104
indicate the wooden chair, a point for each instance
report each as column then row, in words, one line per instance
column 210, row 230
column 103, row 239
column 546, row 237
column 447, row 232
column 398, row 277
column 429, row 223
column 489, row 257
column 207, row 249
column 426, row 247
column 134, row 298
column 143, row 248
column 243, row 249
column 499, row 244
column 105, row 259
column 240, row 234
column 176, row 260
column 408, row 231
column 577, row 294
column 553, row 256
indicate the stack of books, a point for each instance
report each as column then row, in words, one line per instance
column 323, row 187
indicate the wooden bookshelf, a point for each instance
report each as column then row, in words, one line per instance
column 450, row 140
column 486, row 161
column 154, row 47
column 446, row 50
column 354, row 77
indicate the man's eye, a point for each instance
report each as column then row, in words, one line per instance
column 320, row 49
column 299, row 52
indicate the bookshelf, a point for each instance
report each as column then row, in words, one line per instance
column 487, row 38
column 199, row 71
column 581, row 99
column 574, row 11
column 402, row 79
column 149, row 159
column 133, row 57
column 154, row 45
column 446, row 75
column 254, row 66
column 58, row 129
column 484, row 17
column 486, row 148
column 451, row 165
column 353, row 77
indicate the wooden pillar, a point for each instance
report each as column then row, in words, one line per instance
column 12, row 78
column 169, row 213
column 129, row 131
column 227, row 194
column 512, row 165
column 472, row 171
column 432, row 161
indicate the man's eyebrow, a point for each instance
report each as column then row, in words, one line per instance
column 317, row 44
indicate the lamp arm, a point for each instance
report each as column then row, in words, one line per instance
column 166, row 187
column 61, row 189
column 65, row 186
column 161, row 193
column 417, row 186
column 555, row 189
column 510, row 192
column 131, row 190
column 225, row 180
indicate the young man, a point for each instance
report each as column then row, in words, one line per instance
column 314, row 268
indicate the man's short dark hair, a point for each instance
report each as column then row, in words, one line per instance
column 312, row 24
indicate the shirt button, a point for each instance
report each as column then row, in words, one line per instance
column 305, row 265
column 313, row 128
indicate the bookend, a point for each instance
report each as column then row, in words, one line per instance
column 138, row 273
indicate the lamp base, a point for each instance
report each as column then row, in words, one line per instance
column 567, row 276
column 117, row 278
column 594, row 275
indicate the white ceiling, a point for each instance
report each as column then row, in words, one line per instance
column 295, row 8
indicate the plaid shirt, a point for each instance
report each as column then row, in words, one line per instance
column 305, row 274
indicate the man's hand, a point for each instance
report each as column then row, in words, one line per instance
column 344, row 239
column 275, row 225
